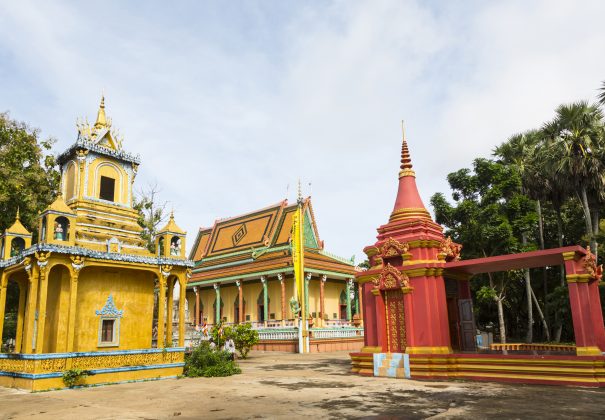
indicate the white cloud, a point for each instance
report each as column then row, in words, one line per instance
column 229, row 105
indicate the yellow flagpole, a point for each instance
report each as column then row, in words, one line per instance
column 298, row 260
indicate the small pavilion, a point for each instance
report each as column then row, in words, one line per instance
column 418, row 308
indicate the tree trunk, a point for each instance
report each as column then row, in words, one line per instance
column 595, row 231
column 530, row 316
column 560, row 238
column 544, row 275
column 544, row 323
column 587, row 218
column 499, row 300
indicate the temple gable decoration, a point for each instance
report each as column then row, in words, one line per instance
column 393, row 248
column 390, row 279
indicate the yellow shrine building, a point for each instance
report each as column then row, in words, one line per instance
column 244, row 272
column 87, row 288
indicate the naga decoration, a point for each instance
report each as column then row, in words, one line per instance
column 450, row 249
column 590, row 265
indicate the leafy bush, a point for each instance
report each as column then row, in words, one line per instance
column 73, row 377
column 204, row 361
column 244, row 338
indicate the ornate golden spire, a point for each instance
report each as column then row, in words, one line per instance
column 101, row 118
column 18, row 214
column 406, row 159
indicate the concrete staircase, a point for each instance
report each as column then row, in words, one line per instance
column 392, row 365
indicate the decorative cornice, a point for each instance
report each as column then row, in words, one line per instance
column 91, row 146
column 93, row 254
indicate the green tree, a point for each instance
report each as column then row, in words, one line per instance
column 29, row 179
column 488, row 213
column 151, row 214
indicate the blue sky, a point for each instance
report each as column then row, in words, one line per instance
column 229, row 103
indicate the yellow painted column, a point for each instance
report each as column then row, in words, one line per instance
column 73, row 294
column 3, row 285
column 182, row 296
column 20, row 316
column 32, row 300
column 161, row 309
column 42, row 307
column 169, row 304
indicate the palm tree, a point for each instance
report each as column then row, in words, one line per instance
column 602, row 95
column 576, row 145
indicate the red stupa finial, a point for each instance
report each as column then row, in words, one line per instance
column 406, row 160
column 408, row 204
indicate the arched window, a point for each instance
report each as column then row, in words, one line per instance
column 260, row 303
column 61, row 229
column 107, row 189
column 161, row 246
column 175, row 246
column 43, row 233
column 17, row 246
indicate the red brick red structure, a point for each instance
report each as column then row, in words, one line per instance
column 417, row 301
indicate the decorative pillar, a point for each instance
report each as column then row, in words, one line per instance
column 360, row 302
column 42, row 263
column 240, row 308
column 263, row 280
column 196, row 290
column 182, row 302
column 3, row 286
column 30, row 311
column 217, row 306
column 282, row 283
column 322, row 303
column 348, row 292
column 76, row 265
column 163, row 280
column 381, row 326
column 169, row 310
column 307, row 279
column 20, row 316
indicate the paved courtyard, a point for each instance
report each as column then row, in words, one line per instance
column 289, row 386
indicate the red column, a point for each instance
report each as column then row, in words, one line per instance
column 240, row 309
column 360, row 294
column 197, row 306
column 381, row 326
column 596, row 314
column 282, row 282
column 581, row 313
column 322, row 281
column 369, row 317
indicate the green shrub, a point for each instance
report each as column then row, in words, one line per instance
column 73, row 377
column 244, row 338
column 205, row 362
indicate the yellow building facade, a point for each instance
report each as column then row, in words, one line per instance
column 87, row 288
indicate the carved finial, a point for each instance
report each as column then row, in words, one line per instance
column 101, row 118
column 406, row 160
column 18, row 214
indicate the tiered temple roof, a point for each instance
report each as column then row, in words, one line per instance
column 258, row 243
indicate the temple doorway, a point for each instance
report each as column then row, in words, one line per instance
column 236, row 310
column 260, row 305
column 343, row 305
column 395, row 318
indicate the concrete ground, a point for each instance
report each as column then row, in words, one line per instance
column 290, row 386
